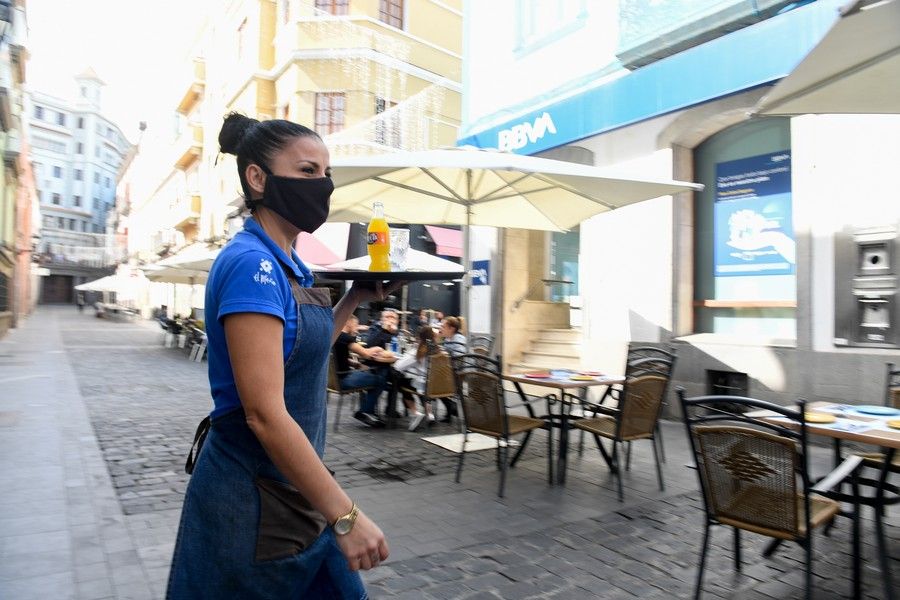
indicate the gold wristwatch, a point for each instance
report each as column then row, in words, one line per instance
column 344, row 524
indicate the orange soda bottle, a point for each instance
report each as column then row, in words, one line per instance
column 379, row 240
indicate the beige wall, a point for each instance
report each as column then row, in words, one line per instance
column 524, row 265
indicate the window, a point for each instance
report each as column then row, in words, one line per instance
column 56, row 198
column 96, row 177
column 335, row 7
column 60, row 222
column 38, row 112
column 76, row 200
column 387, row 129
column 745, row 283
column 107, row 181
column 61, row 119
column 96, row 203
column 48, row 221
column 80, row 122
column 83, row 92
column 329, row 112
column 84, row 226
column 57, row 172
column 391, row 12
column 79, row 148
column 79, row 175
column 71, row 224
column 4, row 293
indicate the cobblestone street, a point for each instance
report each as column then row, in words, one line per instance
column 97, row 417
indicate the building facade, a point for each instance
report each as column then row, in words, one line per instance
column 765, row 282
column 76, row 155
column 367, row 75
column 16, row 186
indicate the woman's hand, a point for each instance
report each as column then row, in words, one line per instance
column 366, row 291
column 364, row 547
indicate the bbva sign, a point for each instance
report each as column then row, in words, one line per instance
column 526, row 133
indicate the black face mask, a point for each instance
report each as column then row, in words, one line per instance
column 302, row 202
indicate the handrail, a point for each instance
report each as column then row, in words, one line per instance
column 534, row 285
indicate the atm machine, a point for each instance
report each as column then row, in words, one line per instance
column 867, row 284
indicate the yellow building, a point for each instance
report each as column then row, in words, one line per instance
column 367, row 75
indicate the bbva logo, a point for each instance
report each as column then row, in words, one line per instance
column 520, row 135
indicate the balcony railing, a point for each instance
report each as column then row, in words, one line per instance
column 193, row 88
column 188, row 146
column 185, row 210
column 351, row 38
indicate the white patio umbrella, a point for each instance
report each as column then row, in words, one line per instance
column 855, row 68
column 468, row 186
column 169, row 274
column 196, row 257
column 416, row 260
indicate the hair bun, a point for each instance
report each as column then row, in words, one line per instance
column 234, row 129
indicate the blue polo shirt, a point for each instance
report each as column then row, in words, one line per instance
column 248, row 276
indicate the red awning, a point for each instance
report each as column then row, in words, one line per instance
column 311, row 250
column 448, row 241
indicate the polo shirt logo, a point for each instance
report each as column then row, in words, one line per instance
column 262, row 276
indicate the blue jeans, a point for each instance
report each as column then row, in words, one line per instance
column 377, row 378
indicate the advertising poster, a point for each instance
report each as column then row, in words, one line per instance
column 754, row 233
column 481, row 270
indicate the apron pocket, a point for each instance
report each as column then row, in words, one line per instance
column 287, row 523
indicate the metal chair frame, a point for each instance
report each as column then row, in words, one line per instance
column 467, row 368
column 620, row 435
column 334, row 387
column 706, row 414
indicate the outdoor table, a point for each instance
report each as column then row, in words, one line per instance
column 560, row 380
column 866, row 429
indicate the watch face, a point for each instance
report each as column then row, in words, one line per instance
column 342, row 527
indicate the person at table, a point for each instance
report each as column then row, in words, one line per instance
column 453, row 343
column 262, row 516
column 380, row 335
column 375, row 376
column 436, row 318
column 413, row 370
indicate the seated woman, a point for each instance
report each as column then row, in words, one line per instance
column 454, row 344
column 413, row 367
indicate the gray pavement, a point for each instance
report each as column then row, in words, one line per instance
column 96, row 416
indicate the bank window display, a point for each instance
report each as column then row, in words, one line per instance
column 745, row 250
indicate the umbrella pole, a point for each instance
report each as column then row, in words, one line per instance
column 466, row 284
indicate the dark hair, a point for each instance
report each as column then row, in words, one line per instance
column 425, row 335
column 256, row 142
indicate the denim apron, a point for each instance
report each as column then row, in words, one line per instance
column 245, row 532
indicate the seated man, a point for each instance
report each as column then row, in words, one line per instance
column 380, row 335
column 350, row 378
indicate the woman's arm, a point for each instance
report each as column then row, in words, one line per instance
column 255, row 350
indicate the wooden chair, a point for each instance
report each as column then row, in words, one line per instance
column 440, row 383
column 642, row 360
column 334, row 387
column 484, row 410
column 754, row 475
column 635, row 418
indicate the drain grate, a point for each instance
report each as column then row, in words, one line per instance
column 384, row 470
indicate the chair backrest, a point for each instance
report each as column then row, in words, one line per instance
column 334, row 384
column 481, row 344
column 639, row 352
column 439, row 381
column 480, row 385
column 752, row 473
column 640, row 405
column 892, row 386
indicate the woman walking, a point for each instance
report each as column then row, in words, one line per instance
column 262, row 516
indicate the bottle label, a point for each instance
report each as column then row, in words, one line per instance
column 378, row 238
